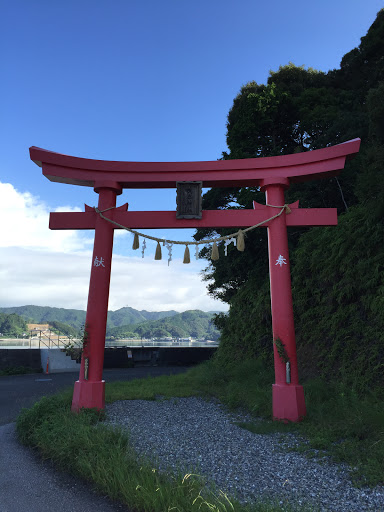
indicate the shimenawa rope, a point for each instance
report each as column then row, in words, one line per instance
column 238, row 236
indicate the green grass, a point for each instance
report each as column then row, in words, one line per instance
column 244, row 386
column 82, row 445
column 150, row 388
column 348, row 425
column 341, row 422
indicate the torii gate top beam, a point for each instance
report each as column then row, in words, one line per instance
column 296, row 168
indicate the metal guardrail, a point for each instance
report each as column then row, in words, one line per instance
column 51, row 339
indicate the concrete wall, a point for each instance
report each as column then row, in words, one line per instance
column 157, row 356
column 58, row 361
column 113, row 358
column 11, row 357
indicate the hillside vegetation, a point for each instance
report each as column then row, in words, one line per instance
column 12, row 325
column 76, row 317
column 337, row 272
column 124, row 322
column 190, row 323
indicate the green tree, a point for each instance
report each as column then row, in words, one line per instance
column 63, row 328
column 299, row 110
column 12, row 325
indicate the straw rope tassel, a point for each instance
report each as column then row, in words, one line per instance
column 168, row 243
column 187, row 257
column 215, row 252
column 240, row 241
column 158, row 251
column 136, row 243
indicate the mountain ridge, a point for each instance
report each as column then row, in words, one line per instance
column 76, row 317
column 125, row 322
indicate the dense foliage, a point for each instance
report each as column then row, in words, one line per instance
column 338, row 272
column 62, row 328
column 12, row 325
column 190, row 323
column 46, row 314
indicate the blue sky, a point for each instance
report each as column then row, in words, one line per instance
column 134, row 80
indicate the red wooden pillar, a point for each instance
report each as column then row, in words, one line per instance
column 89, row 391
column 287, row 395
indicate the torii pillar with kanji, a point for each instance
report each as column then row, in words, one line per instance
column 287, row 394
column 273, row 174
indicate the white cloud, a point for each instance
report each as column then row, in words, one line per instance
column 43, row 278
column 25, row 221
column 152, row 285
column 61, row 280
column 52, row 268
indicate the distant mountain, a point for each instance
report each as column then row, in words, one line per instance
column 44, row 314
column 125, row 321
column 127, row 316
column 76, row 317
column 195, row 323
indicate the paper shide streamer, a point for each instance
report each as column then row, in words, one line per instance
column 238, row 239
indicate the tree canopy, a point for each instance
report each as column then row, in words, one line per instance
column 12, row 325
column 301, row 109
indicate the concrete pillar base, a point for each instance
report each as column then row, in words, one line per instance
column 89, row 395
column 288, row 402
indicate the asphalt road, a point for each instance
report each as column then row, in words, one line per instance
column 28, row 484
column 18, row 391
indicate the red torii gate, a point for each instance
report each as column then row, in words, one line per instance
column 272, row 174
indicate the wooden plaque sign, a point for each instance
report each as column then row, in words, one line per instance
column 189, row 200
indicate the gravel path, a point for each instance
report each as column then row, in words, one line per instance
column 194, row 434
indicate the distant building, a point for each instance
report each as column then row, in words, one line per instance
column 38, row 327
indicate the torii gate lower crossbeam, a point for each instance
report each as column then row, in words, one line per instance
column 272, row 174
